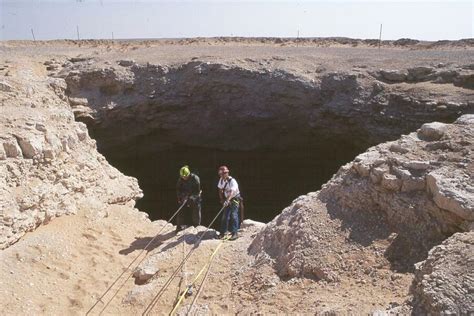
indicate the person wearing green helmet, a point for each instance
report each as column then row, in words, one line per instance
column 188, row 188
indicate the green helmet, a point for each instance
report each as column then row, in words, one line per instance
column 184, row 171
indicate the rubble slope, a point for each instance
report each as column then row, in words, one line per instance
column 388, row 207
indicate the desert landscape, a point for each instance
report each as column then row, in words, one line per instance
column 374, row 217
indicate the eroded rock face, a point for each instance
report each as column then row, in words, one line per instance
column 411, row 193
column 460, row 76
column 245, row 108
column 49, row 166
column 422, row 185
column 444, row 282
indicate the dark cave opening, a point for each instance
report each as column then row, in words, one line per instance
column 281, row 136
column 269, row 179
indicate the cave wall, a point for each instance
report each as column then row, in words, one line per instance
column 229, row 107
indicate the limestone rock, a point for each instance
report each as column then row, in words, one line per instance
column 12, row 149
column 465, row 80
column 423, row 195
column 31, row 145
column 3, row 154
column 5, row 87
column 49, row 166
column 144, row 273
column 393, row 75
column 419, row 73
column 432, row 131
column 248, row 223
column 467, row 119
column 413, row 184
column 444, row 282
column 391, row 182
column 451, row 193
column 126, row 62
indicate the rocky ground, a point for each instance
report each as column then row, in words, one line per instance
column 391, row 231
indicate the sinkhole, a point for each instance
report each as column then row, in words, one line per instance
column 281, row 135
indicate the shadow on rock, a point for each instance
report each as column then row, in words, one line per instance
column 364, row 228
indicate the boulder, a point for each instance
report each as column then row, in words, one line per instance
column 144, row 273
column 12, row 149
column 465, row 80
column 449, row 194
column 416, row 165
column 377, row 173
column 432, row 131
column 391, row 182
column 420, row 73
column 413, row 184
column 31, row 146
column 466, row 119
column 126, row 62
column 393, row 75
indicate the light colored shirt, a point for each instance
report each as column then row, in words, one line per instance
column 231, row 189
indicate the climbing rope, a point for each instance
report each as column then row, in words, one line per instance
column 131, row 263
column 207, row 265
column 155, row 299
column 199, row 290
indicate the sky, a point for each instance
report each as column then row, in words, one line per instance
column 64, row 19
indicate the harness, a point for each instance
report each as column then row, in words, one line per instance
column 236, row 199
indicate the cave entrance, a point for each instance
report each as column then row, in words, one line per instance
column 269, row 179
column 281, row 135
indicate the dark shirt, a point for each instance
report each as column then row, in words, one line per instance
column 190, row 187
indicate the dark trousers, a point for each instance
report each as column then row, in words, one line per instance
column 230, row 218
column 190, row 214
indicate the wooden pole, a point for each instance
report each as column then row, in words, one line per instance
column 380, row 35
column 77, row 29
column 33, row 33
column 112, row 36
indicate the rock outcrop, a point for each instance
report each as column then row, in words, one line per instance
column 444, row 282
column 49, row 166
column 276, row 108
column 391, row 205
column 460, row 76
column 422, row 184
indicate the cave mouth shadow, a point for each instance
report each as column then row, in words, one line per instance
column 269, row 180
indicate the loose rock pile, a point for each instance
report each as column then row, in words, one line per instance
column 392, row 204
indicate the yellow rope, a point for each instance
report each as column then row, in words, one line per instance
column 183, row 295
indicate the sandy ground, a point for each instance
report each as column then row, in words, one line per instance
column 63, row 267
column 292, row 57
